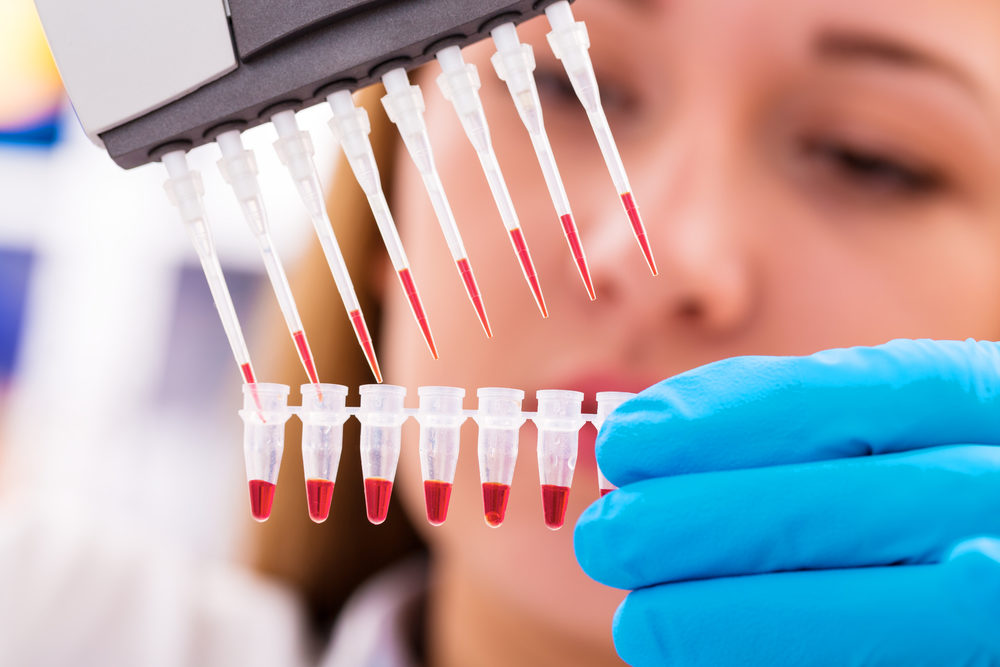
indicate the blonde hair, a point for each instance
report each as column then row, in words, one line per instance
column 325, row 563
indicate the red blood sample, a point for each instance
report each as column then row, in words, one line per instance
column 573, row 238
column 319, row 493
column 639, row 229
column 418, row 309
column 247, row 371
column 605, row 492
column 306, row 356
column 495, row 502
column 554, row 501
column 377, row 494
column 261, row 499
column 361, row 331
column 436, row 497
column 473, row 290
column 528, row 266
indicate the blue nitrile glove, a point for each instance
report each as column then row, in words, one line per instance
column 821, row 510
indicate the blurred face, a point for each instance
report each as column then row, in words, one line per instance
column 812, row 174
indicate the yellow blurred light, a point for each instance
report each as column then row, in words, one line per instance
column 29, row 83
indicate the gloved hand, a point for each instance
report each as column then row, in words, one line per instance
column 821, row 510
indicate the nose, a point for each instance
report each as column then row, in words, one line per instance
column 698, row 235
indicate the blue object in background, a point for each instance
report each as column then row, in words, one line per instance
column 43, row 133
column 15, row 273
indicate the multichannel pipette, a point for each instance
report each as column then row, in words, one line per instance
column 239, row 168
column 351, row 127
column 570, row 43
column 404, row 104
column 459, row 82
column 295, row 149
column 514, row 63
column 185, row 189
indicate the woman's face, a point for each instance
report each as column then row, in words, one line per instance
column 812, row 174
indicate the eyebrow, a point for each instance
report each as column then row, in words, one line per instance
column 866, row 47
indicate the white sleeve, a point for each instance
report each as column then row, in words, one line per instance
column 72, row 594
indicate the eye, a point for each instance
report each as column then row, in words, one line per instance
column 872, row 169
column 553, row 84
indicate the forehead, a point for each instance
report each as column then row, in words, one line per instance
column 966, row 32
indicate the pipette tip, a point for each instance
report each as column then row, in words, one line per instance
column 473, row 291
column 361, row 331
column 528, row 268
column 418, row 309
column 305, row 355
column 573, row 238
column 639, row 230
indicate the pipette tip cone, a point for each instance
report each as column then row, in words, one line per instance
column 246, row 370
column 528, row 268
column 418, row 309
column 472, row 289
column 573, row 239
column 639, row 229
column 305, row 356
column 361, row 331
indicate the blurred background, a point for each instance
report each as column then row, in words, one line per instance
column 101, row 294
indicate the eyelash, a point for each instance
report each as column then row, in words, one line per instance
column 874, row 170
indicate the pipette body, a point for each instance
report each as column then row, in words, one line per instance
column 295, row 149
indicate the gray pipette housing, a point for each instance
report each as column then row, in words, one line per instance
column 147, row 78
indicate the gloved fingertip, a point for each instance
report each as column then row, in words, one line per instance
column 637, row 640
column 590, row 541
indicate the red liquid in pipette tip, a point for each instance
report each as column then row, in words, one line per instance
column 261, row 499
column 495, row 502
column 306, row 356
column 246, row 370
column 554, row 501
column 605, row 492
column 361, row 331
column 378, row 491
column 639, row 230
column 524, row 257
column 436, row 497
column 573, row 238
column 319, row 494
column 418, row 309
column 473, row 291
